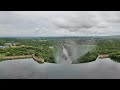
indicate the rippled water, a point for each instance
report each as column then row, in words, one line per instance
column 29, row 69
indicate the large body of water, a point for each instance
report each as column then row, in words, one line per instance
column 29, row 69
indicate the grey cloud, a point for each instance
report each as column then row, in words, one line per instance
column 111, row 17
column 102, row 26
column 115, row 20
column 83, row 20
column 74, row 26
column 58, row 23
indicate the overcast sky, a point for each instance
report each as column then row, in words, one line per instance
column 59, row 23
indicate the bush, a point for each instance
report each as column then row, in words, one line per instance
column 88, row 57
column 47, row 57
column 115, row 56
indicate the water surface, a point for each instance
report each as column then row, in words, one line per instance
column 29, row 69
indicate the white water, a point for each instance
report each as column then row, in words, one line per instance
column 68, row 61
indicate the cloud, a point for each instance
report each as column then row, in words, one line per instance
column 59, row 23
column 83, row 20
column 75, row 22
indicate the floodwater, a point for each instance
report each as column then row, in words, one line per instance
column 29, row 69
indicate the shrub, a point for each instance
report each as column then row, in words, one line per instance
column 115, row 56
column 88, row 57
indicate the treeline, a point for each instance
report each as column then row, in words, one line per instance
column 43, row 52
column 103, row 46
column 42, row 48
column 108, row 46
column 115, row 56
column 27, row 41
column 88, row 57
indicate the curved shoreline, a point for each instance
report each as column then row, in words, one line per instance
column 15, row 57
column 39, row 60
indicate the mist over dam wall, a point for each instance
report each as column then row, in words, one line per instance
column 69, row 51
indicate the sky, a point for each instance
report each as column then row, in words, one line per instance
column 59, row 23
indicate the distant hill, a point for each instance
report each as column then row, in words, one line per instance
column 66, row 37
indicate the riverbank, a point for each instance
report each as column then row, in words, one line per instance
column 87, row 58
column 39, row 60
column 15, row 57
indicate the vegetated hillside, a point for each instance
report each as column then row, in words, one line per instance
column 47, row 48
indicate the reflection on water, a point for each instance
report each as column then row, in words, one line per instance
column 28, row 68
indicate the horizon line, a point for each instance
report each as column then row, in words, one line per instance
column 52, row 36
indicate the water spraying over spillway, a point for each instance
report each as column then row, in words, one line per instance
column 68, row 60
column 69, row 51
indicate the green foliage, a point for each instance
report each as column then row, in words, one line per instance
column 115, row 56
column 47, row 55
column 108, row 46
column 42, row 48
column 88, row 57
column 30, row 46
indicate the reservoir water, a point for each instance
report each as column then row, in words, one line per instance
column 29, row 69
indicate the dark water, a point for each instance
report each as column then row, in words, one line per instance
column 29, row 69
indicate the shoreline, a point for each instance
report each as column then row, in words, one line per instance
column 15, row 57
column 39, row 60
